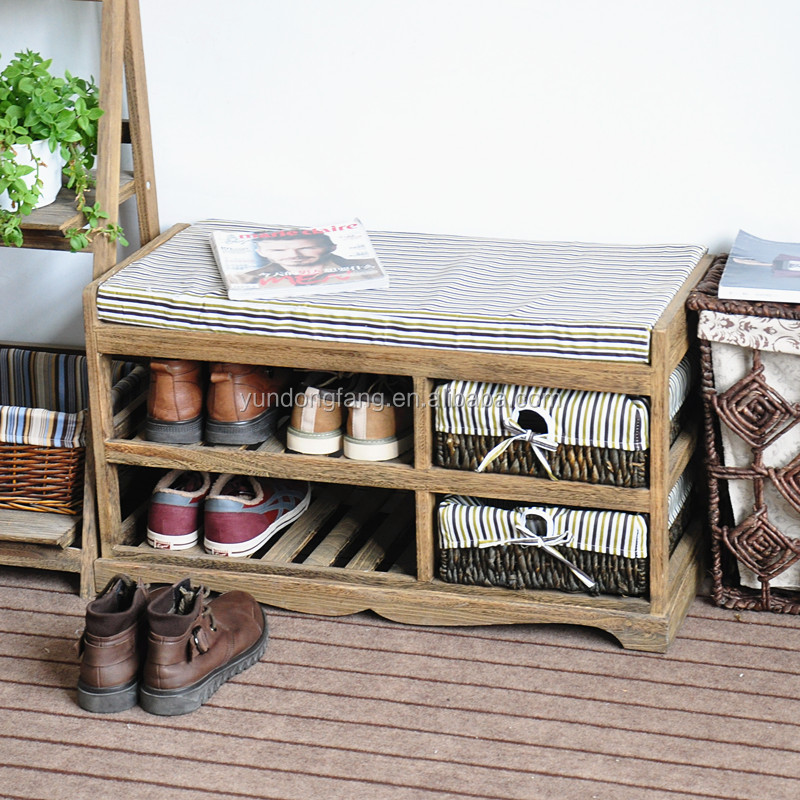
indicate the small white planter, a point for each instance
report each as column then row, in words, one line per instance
column 49, row 172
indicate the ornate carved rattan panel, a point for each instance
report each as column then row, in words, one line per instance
column 754, row 488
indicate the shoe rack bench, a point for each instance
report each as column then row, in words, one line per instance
column 392, row 571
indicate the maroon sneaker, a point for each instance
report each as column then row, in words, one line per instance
column 173, row 519
column 243, row 512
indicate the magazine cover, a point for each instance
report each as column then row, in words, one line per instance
column 760, row 269
column 271, row 264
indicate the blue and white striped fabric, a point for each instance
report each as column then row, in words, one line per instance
column 43, row 396
column 578, row 418
column 469, row 522
column 678, row 495
column 566, row 299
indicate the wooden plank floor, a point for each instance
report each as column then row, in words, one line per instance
column 358, row 707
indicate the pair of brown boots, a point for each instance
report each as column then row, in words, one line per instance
column 237, row 404
column 170, row 649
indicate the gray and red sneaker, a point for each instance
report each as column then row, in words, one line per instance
column 174, row 516
column 242, row 512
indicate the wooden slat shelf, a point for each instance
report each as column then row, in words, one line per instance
column 62, row 214
column 344, row 528
column 25, row 554
column 274, row 460
column 44, row 228
column 39, row 528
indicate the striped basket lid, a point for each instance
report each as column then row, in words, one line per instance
column 567, row 416
column 469, row 522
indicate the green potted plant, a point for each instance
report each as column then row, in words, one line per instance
column 47, row 121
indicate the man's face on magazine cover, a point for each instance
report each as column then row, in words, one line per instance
column 295, row 255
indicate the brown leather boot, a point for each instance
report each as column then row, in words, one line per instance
column 175, row 401
column 242, row 403
column 111, row 646
column 196, row 644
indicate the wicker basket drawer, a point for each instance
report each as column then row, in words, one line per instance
column 487, row 543
column 592, row 437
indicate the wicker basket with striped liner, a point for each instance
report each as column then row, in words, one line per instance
column 592, row 437
column 43, row 402
column 551, row 547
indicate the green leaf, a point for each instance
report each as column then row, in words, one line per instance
column 36, row 104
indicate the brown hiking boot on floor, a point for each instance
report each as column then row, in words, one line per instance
column 196, row 644
column 111, row 646
column 175, row 401
column 243, row 402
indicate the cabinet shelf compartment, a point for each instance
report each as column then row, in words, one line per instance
column 542, row 431
column 351, row 532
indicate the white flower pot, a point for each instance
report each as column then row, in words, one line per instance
column 49, row 172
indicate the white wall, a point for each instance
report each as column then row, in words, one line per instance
column 615, row 120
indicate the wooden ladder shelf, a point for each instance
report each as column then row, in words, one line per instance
column 57, row 541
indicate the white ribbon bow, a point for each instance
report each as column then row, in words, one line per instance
column 539, row 442
column 547, row 543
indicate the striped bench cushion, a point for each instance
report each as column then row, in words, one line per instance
column 566, row 299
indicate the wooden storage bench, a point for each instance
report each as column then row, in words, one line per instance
column 369, row 539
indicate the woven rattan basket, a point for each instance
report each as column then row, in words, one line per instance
column 598, row 465
column 42, row 426
column 41, row 478
column 520, row 566
column 462, row 439
column 754, row 406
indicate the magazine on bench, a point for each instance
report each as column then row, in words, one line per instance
column 760, row 269
column 271, row 264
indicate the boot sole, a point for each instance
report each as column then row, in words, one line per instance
column 189, row 432
column 251, row 431
column 172, row 702
column 107, row 701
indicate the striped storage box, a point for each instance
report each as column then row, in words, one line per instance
column 43, row 402
column 551, row 547
column 593, row 437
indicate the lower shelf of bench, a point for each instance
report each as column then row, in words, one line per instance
column 46, row 540
column 402, row 598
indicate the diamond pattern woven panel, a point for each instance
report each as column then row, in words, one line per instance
column 756, row 411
